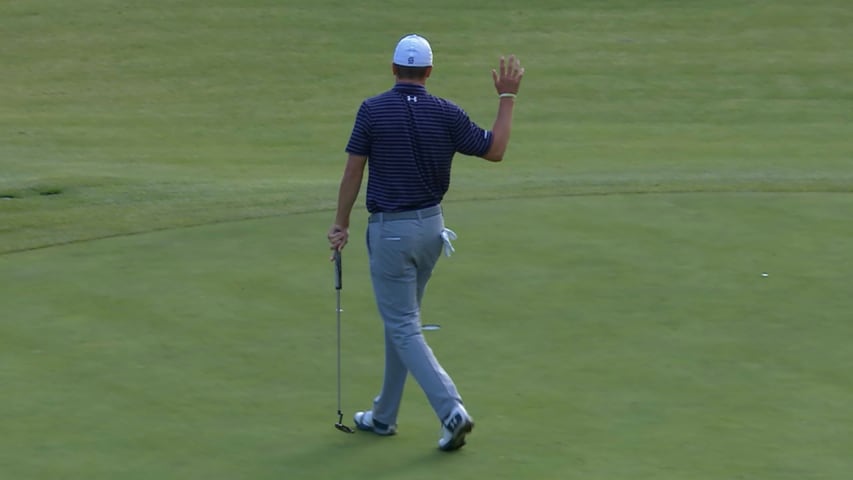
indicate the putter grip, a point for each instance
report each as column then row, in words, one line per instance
column 338, row 272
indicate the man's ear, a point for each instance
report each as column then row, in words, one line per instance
column 428, row 72
column 394, row 69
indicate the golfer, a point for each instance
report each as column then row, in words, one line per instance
column 409, row 138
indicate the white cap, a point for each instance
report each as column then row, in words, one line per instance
column 413, row 51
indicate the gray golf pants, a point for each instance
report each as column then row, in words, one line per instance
column 403, row 252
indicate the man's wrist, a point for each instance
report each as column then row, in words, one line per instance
column 507, row 95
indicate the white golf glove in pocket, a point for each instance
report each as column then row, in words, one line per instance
column 446, row 236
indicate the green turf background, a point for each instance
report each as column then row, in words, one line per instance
column 168, row 171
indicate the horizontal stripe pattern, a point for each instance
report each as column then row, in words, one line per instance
column 410, row 138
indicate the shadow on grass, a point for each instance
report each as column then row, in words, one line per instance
column 365, row 455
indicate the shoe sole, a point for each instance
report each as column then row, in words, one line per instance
column 458, row 439
column 386, row 433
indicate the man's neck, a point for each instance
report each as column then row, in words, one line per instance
column 409, row 81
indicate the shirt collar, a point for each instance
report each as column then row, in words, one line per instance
column 410, row 88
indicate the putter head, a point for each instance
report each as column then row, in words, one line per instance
column 344, row 428
column 340, row 424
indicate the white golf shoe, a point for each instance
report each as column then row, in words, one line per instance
column 364, row 421
column 454, row 428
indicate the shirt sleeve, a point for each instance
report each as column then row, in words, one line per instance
column 359, row 141
column 468, row 137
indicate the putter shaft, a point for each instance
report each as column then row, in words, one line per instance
column 338, row 283
column 338, row 309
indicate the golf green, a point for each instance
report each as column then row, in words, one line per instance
column 654, row 284
column 633, row 335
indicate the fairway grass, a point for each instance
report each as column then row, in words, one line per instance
column 168, row 171
column 638, row 341
column 133, row 117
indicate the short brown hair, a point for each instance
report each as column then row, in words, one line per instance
column 411, row 73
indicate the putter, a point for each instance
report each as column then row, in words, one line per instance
column 338, row 284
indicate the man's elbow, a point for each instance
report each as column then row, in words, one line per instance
column 494, row 154
column 355, row 167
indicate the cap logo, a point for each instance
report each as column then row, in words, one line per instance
column 411, row 60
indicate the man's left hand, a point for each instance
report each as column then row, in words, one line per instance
column 338, row 237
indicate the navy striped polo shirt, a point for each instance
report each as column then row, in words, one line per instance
column 409, row 138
